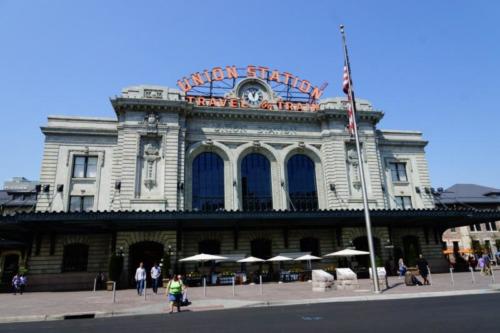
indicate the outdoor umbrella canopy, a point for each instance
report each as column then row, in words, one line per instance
column 250, row 259
column 203, row 257
column 346, row 253
column 307, row 257
column 280, row 258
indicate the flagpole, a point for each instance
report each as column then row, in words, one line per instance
column 373, row 265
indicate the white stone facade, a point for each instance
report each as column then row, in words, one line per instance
column 145, row 154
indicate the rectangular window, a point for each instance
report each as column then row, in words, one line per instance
column 471, row 227
column 81, row 203
column 84, row 166
column 494, row 226
column 478, row 227
column 488, row 226
column 398, row 171
column 403, row 202
column 456, row 247
column 453, row 230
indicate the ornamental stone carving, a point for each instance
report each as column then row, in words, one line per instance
column 151, row 121
column 151, row 157
column 353, row 171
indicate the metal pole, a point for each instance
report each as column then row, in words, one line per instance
column 430, row 275
column 233, row 286
column 451, row 276
column 145, row 287
column 95, row 282
column 260, row 282
column 114, row 292
column 376, row 285
column 472, row 274
column 492, row 275
column 204, row 286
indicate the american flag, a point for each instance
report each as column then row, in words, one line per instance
column 350, row 113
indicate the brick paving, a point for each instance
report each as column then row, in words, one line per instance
column 54, row 305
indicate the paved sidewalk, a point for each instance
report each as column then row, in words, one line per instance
column 57, row 305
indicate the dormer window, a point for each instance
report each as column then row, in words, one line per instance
column 85, row 167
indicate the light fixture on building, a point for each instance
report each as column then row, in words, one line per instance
column 332, row 187
column 120, row 251
column 180, row 186
column 38, row 188
column 383, row 187
column 282, row 183
column 46, row 188
column 417, row 189
column 234, row 183
column 388, row 244
column 427, row 190
column 60, row 188
column 118, row 185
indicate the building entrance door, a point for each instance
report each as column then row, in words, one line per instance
column 9, row 269
column 146, row 252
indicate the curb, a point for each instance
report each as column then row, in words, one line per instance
column 252, row 304
column 376, row 297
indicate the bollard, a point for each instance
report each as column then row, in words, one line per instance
column 451, row 276
column 492, row 275
column 114, row 292
column 95, row 282
column 204, row 286
column 430, row 276
column 472, row 274
column 260, row 281
column 234, row 286
column 145, row 286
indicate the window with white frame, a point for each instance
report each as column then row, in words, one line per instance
column 403, row 202
column 475, row 227
column 81, row 203
column 398, row 171
column 84, row 166
column 491, row 226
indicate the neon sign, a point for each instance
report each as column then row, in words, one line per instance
column 216, row 88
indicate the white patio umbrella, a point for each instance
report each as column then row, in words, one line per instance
column 308, row 258
column 203, row 257
column 280, row 258
column 346, row 253
column 251, row 260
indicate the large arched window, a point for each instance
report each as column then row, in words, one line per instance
column 208, row 182
column 209, row 246
column 256, row 183
column 261, row 248
column 302, row 183
column 75, row 257
column 310, row 244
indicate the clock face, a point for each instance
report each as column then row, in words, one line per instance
column 253, row 95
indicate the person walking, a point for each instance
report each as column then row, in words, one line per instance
column 174, row 292
column 155, row 277
column 22, row 283
column 401, row 268
column 486, row 264
column 423, row 268
column 15, row 284
column 140, row 278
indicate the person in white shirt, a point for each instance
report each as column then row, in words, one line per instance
column 155, row 277
column 140, row 278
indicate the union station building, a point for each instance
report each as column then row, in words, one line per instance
column 241, row 165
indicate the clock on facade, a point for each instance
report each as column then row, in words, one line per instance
column 253, row 94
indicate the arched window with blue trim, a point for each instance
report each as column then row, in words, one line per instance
column 208, row 182
column 302, row 191
column 256, row 183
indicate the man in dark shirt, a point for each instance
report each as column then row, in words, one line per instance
column 423, row 267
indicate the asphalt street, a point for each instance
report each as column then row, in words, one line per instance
column 424, row 315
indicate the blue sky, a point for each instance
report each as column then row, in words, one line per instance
column 431, row 66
